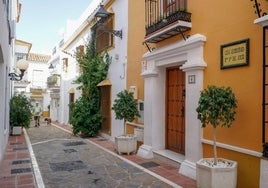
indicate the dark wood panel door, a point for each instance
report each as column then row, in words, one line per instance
column 175, row 110
column 71, row 101
column 106, row 109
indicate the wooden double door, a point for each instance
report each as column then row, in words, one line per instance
column 175, row 110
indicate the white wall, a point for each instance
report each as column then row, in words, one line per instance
column 6, row 59
column 117, row 70
column 21, row 49
column 55, row 102
column 67, row 79
column 39, row 81
column 46, row 101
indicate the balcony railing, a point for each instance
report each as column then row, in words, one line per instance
column 166, row 18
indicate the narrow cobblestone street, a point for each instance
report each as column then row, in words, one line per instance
column 49, row 156
column 68, row 161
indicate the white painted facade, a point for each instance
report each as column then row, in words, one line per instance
column 37, row 74
column 189, row 55
column 117, row 70
column 67, row 79
column 35, row 77
column 8, row 12
column 21, row 52
column 76, row 34
column 54, row 90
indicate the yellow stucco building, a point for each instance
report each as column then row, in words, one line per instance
column 204, row 43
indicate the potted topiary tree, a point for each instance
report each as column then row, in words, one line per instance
column 125, row 108
column 20, row 113
column 216, row 107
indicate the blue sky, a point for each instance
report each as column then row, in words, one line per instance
column 42, row 20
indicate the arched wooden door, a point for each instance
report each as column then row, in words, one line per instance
column 175, row 110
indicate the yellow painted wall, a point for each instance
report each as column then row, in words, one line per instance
column 248, row 169
column 45, row 114
column 130, row 130
column 224, row 22
column 135, row 49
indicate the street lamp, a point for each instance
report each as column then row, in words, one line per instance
column 102, row 14
column 51, row 67
column 22, row 65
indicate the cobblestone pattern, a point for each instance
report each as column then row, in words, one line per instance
column 83, row 165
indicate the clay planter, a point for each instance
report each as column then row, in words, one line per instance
column 126, row 144
column 221, row 176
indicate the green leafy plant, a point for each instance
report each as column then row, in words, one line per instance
column 85, row 114
column 125, row 107
column 216, row 106
column 20, row 111
column 84, row 118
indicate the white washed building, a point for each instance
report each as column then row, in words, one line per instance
column 22, row 49
column 9, row 15
column 79, row 38
column 54, row 83
column 37, row 75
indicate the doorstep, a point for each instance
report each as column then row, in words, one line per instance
column 169, row 156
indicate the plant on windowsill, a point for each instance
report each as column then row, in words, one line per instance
column 20, row 113
column 217, row 107
column 125, row 108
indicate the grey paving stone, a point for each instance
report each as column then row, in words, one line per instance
column 149, row 164
column 84, row 165
column 20, row 162
column 20, row 170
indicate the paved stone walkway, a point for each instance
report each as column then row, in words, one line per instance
column 68, row 161
column 16, row 168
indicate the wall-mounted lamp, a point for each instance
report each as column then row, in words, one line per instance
column 102, row 14
column 51, row 66
column 22, row 65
